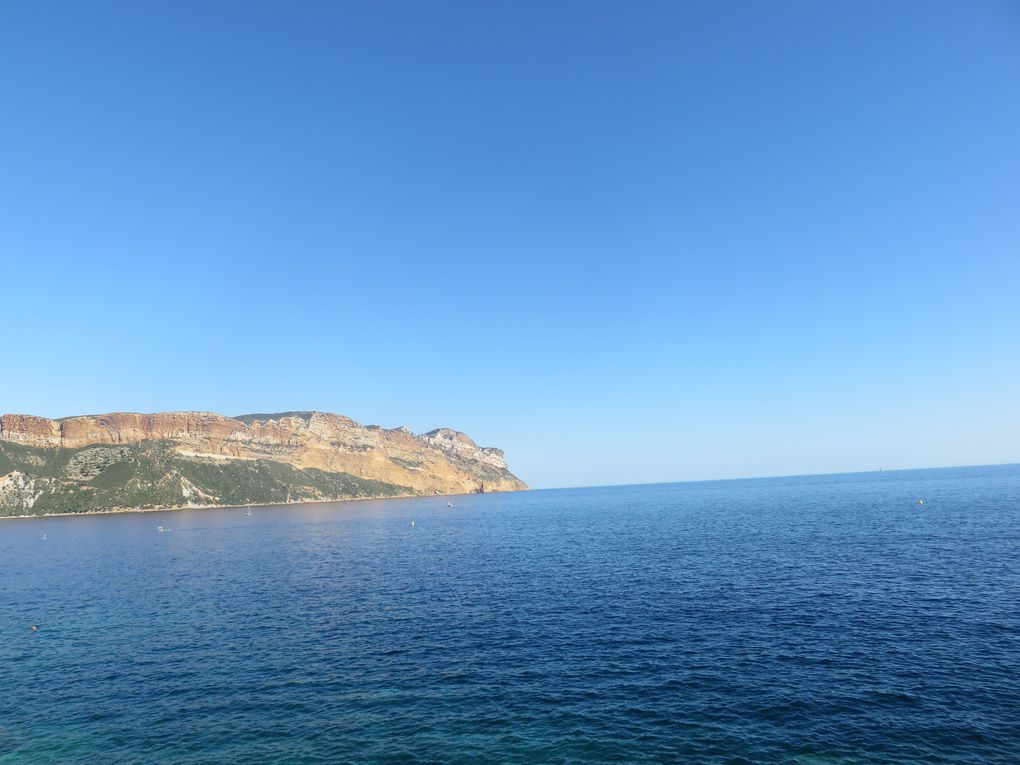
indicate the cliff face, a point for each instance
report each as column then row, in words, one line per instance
column 332, row 447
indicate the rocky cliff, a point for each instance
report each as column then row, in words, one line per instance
column 126, row 460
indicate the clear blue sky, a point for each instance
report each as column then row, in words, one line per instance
column 626, row 242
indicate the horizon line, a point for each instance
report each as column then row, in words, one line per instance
column 785, row 475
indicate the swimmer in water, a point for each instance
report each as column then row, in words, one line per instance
column 34, row 628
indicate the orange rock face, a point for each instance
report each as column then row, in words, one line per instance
column 442, row 461
column 30, row 430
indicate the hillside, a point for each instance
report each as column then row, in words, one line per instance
column 195, row 459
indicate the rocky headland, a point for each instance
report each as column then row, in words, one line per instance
column 126, row 461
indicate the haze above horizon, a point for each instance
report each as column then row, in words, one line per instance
column 706, row 240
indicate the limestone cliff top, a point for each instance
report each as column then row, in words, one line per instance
column 440, row 461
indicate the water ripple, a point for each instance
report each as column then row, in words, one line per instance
column 818, row 621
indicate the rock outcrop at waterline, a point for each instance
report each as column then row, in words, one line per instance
column 176, row 459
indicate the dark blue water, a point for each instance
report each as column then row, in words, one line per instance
column 805, row 620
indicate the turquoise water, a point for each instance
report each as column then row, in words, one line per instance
column 815, row 620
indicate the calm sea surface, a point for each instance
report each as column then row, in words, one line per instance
column 812, row 620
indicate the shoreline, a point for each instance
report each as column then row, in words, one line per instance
column 122, row 510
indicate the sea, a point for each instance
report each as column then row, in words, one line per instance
column 817, row 620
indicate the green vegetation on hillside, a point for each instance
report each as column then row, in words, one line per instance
column 36, row 481
column 248, row 419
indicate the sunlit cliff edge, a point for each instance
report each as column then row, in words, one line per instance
column 124, row 461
